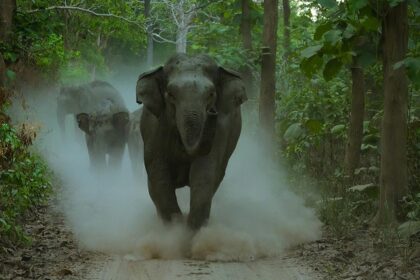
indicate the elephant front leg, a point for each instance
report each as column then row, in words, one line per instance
column 200, row 205
column 203, row 184
column 163, row 195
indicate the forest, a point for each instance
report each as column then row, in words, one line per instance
column 333, row 101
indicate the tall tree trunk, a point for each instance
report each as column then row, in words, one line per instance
column 393, row 177
column 355, row 133
column 2, row 76
column 181, row 40
column 149, row 33
column 268, row 68
column 286, row 30
column 7, row 13
column 246, row 35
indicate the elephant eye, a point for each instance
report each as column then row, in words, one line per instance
column 171, row 95
column 212, row 94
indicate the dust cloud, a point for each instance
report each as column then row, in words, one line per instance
column 254, row 213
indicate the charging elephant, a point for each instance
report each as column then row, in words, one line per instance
column 105, row 125
column 135, row 143
column 190, row 125
column 72, row 100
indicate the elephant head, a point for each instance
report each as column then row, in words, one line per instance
column 71, row 100
column 100, row 124
column 192, row 93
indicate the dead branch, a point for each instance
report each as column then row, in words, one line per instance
column 85, row 10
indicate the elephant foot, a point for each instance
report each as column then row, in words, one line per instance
column 195, row 223
column 171, row 217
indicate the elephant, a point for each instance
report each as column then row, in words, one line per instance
column 105, row 125
column 190, row 126
column 135, row 143
column 72, row 100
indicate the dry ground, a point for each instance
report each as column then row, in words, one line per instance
column 54, row 254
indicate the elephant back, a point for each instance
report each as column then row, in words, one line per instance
column 106, row 98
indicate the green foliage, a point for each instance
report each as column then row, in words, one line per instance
column 24, row 182
column 348, row 33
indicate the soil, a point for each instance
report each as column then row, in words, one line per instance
column 55, row 254
column 362, row 255
column 52, row 253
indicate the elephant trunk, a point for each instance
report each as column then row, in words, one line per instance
column 190, row 125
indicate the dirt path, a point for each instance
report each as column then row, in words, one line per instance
column 54, row 254
column 284, row 268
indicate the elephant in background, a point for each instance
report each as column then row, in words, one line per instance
column 84, row 98
column 72, row 100
column 135, row 143
column 105, row 125
column 190, row 126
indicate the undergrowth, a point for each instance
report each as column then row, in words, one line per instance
column 24, row 181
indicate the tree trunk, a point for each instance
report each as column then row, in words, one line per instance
column 2, row 76
column 7, row 13
column 149, row 34
column 246, row 35
column 286, row 30
column 393, row 177
column 181, row 40
column 355, row 133
column 268, row 68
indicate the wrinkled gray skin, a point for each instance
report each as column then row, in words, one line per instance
column 190, row 125
column 105, row 125
column 135, row 143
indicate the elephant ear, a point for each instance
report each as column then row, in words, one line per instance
column 120, row 121
column 83, row 122
column 232, row 91
column 149, row 90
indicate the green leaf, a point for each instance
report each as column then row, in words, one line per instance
column 310, row 51
column 370, row 189
column 356, row 5
column 11, row 75
column 338, row 128
column 370, row 23
column 361, row 188
column 409, row 228
column 314, row 126
column 349, row 31
column 366, row 58
column 332, row 68
column 394, row 3
column 332, row 37
column 321, row 29
column 310, row 66
column 329, row 4
column 293, row 132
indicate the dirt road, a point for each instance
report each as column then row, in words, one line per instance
column 284, row 268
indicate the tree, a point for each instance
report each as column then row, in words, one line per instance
column 393, row 177
column 268, row 68
column 355, row 132
column 149, row 33
column 7, row 13
column 286, row 31
column 246, row 35
column 182, row 13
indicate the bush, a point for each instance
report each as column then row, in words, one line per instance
column 24, row 181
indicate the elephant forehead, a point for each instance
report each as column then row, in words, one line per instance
column 191, row 82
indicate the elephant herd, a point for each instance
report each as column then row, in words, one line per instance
column 186, row 129
column 108, row 126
